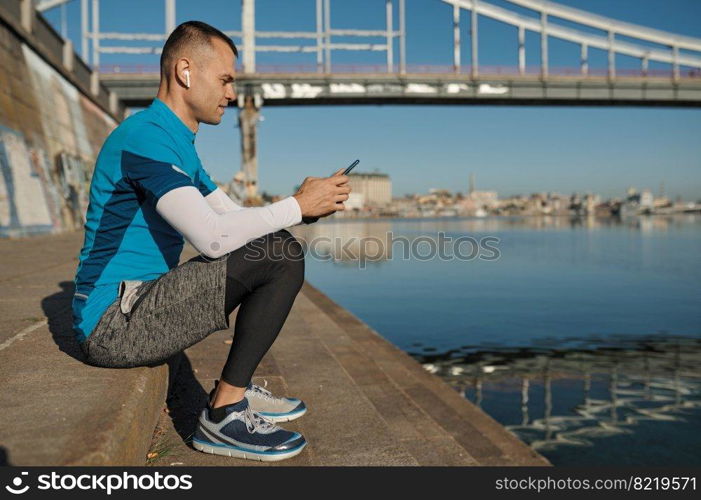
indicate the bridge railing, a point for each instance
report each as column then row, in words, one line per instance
column 422, row 69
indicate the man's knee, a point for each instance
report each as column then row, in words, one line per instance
column 287, row 255
column 275, row 256
column 287, row 248
column 280, row 248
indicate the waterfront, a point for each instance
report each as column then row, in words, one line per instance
column 581, row 337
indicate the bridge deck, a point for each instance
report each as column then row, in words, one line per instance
column 289, row 89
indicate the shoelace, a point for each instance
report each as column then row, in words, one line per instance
column 256, row 422
column 264, row 393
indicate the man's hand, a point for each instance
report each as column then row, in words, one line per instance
column 322, row 196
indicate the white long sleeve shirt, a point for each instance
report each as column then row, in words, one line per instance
column 215, row 225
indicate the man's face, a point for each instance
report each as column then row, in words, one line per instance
column 213, row 83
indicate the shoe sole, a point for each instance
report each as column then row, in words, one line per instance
column 230, row 451
column 287, row 417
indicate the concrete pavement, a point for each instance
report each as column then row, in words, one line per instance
column 56, row 410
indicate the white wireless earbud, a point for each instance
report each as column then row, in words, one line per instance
column 187, row 78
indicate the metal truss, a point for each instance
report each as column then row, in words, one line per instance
column 321, row 41
column 547, row 28
column 248, row 38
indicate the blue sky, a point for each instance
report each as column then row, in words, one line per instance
column 509, row 149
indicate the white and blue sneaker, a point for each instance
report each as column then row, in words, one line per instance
column 243, row 433
column 271, row 407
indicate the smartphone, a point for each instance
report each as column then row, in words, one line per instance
column 351, row 167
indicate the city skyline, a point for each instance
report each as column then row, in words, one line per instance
column 659, row 192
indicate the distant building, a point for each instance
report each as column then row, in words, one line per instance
column 591, row 201
column 646, row 199
column 440, row 192
column 375, row 189
column 637, row 202
column 478, row 200
column 484, row 199
column 355, row 201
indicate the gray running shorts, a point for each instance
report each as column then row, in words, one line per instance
column 150, row 321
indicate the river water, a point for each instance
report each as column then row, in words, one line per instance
column 580, row 335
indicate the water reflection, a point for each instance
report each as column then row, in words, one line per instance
column 350, row 241
column 371, row 240
column 576, row 398
column 360, row 227
column 573, row 400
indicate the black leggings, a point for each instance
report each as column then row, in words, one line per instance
column 263, row 277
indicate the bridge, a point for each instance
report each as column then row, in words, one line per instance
column 323, row 82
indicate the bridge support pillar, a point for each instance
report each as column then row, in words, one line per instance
column 390, row 37
column 248, row 29
column 521, row 50
column 402, row 37
column 611, row 57
column 473, row 41
column 675, row 63
column 84, row 30
column 327, row 36
column 456, row 39
column 249, row 114
column 319, row 36
column 543, row 45
column 169, row 16
column 95, row 34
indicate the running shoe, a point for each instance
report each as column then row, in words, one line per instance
column 243, row 433
column 272, row 407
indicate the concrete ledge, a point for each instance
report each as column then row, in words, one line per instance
column 373, row 361
column 57, row 410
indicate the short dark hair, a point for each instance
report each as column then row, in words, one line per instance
column 190, row 33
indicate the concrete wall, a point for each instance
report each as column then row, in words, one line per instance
column 50, row 135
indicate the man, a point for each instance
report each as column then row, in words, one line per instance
column 135, row 306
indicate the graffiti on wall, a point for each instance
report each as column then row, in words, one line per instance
column 45, row 173
column 42, row 167
column 74, row 184
column 36, row 195
column 23, row 207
